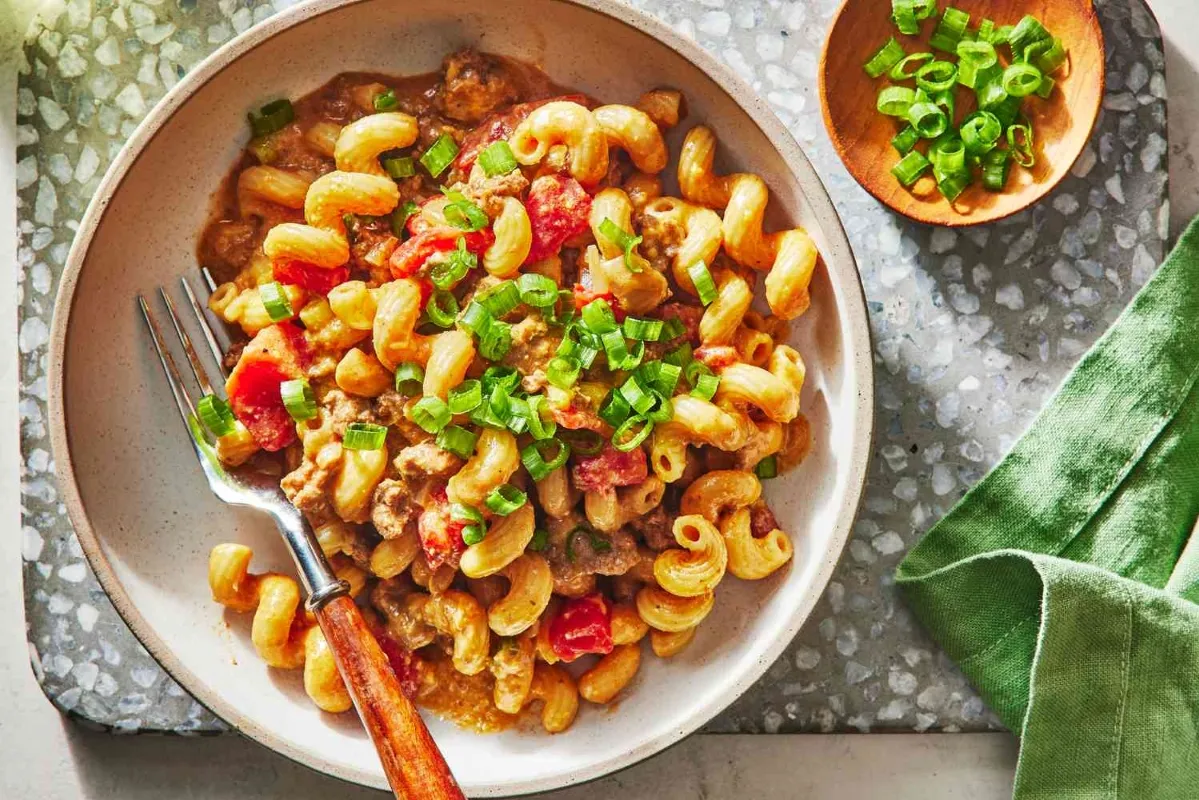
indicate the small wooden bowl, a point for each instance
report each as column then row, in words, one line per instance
column 1062, row 124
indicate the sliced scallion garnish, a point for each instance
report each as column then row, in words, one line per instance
column 275, row 301
column 705, row 287
column 534, row 461
column 442, row 309
column 767, row 468
column 216, row 415
column 497, row 159
column 274, row 116
column 298, row 399
column 431, row 414
column 505, row 498
column 884, row 58
column 364, row 436
column 439, row 155
column 457, row 440
column 386, row 100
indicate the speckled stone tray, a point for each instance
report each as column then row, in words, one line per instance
column 972, row 332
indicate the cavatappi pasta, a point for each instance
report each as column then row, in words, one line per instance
column 492, row 357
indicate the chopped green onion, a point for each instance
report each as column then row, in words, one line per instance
column 541, row 537
column 431, row 414
column 767, row 468
column 948, row 156
column 442, row 309
column 583, row 441
column 399, row 167
column 1048, row 55
column 980, row 132
column 986, row 29
column 475, row 318
column 705, row 387
column 505, row 377
column 662, row 411
column 672, row 328
column 562, row 371
column 598, row 317
column 538, row 428
column 457, row 440
column 937, row 76
column 274, row 299
column 298, row 399
column 622, row 239
column 1020, row 144
column 460, row 512
column 1020, row 79
column 534, row 460
column 615, row 349
column 901, row 71
column 216, row 415
column 485, row 416
column 905, row 139
column 439, row 155
column 1046, row 87
column 996, row 164
column 705, row 287
column 952, row 185
column 496, row 340
column 894, row 101
column 694, row 370
column 536, row 290
column 1002, row 35
column 647, row 330
column 386, row 101
column 505, row 498
column 631, row 360
column 886, row 57
column 364, row 436
column 274, row 116
column 950, row 30
column 500, row 299
column 909, row 168
column 908, row 14
column 409, row 378
column 1028, row 30
column 637, row 398
column 667, row 379
column 680, row 356
column 497, row 159
column 980, row 54
column 463, row 214
column 473, row 534
column 928, row 119
column 501, row 403
column 465, row 397
column 459, row 261
column 399, row 217
column 632, row 432
column 553, row 316
column 615, row 409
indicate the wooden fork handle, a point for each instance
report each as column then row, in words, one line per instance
column 414, row 766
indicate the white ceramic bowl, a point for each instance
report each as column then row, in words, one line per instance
column 131, row 483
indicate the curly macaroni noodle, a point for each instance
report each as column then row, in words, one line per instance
column 752, row 558
column 722, row 318
column 664, row 611
column 603, row 682
column 496, row 458
column 556, row 690
column 532, row 584
column 700, row 230
column 632, row 130
column 669, row 645
column 696, row 569
column 449, row 357
column 513, row 666
column 361, row 142
column 504, row 543
column 272, row 185
column 323, row 240
column 563, row 123
column 278, row 638
column 719, row 492
column 513, row 240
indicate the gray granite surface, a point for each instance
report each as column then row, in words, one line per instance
column 973, row 330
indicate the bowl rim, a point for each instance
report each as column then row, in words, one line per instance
column 838, row 259
column 960, row 221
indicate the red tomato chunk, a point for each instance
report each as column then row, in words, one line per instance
column 584, row 296
column 500, row 126
column 609, row 469
column 278, row 353
column 440, row 534
column 558, row 207
column 410, row 257
column 310, row 277
column 582, row 626
column 404, row 663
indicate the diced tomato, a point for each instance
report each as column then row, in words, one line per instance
column 500, row 126
column 761, row 519
column 440, row 534
column 609, row 468
column 410, row 256
column 582, row 625
column 310, row 277
column 583, row 296
column 278, row 353
column 558, row 207
column 404, row 663
column 688, row 315
column 717, row 356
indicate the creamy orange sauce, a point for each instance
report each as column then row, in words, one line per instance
column 464, row 700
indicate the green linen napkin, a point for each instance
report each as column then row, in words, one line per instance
column 1063, row 584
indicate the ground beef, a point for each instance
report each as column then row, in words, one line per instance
column 228, row 246
column 291, row 151
column 389, row 407
column 574, row 572
column 474, row 86
column 533, row 346
column 427, row 460
column 341, row 409
column 307, row 485
column 686, row 314
column 761, row 519
column 489, row 193
column 392, row 508
column 655, row 529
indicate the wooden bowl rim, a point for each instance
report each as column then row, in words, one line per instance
column 958, row 220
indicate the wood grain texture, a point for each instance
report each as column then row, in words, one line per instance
column 411, row 760
column 862, row 135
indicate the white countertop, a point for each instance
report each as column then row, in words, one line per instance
column 48, row 758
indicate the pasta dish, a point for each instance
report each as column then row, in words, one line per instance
column 518, row 388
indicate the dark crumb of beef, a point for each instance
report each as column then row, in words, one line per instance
column 656, row 529
column 761, row 519
column 474, row 85
column 228, row 245
column 234, row 354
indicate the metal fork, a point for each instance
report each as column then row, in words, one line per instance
column 414, row 766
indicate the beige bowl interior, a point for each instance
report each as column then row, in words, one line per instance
column 132, row 484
